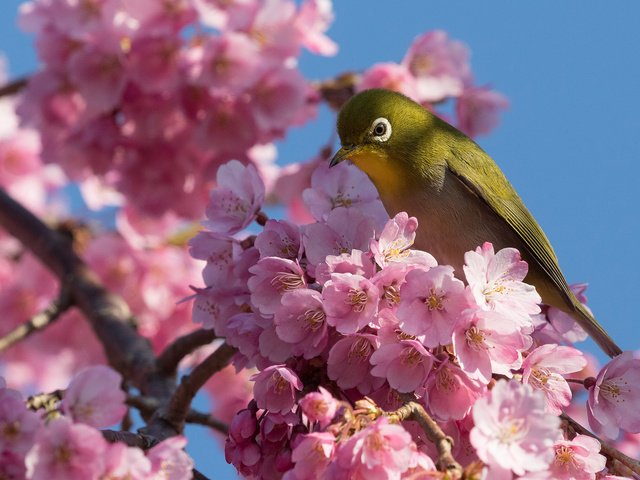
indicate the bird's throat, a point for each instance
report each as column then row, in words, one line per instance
column 381, row 170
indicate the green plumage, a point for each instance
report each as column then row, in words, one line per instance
column 459, row 195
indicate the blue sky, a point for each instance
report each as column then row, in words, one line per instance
column 570, row 143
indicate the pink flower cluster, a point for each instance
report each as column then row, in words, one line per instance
column 435, row 69
column 154, row 96
column 346, row 303
column 68, row 445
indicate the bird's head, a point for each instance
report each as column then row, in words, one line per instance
column 382, row 133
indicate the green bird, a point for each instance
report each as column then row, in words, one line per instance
column 422, row 165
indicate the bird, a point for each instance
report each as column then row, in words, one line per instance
column 424, row 166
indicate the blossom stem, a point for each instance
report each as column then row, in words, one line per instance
column 606, row 449
column 169, row 359
column 13, row 87
column 414, row 411
column 39, row 321
column 575, row 380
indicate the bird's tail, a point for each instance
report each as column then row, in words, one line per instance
column 592, row 327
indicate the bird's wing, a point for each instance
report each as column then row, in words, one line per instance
column 470, row 167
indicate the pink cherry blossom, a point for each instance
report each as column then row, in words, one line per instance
column 350, row 302
column 439, row 64
column 272, row 278
column 395, row 241
column 220, row 251
column 152, row 63
column 319, row 406
column 478, row 110
column 348, row 363
column 237, row 199
column 311, row 456
column 275, row 387
column 487, row 342
column 614, row 397
column 67, row 451
column 449, row 392
column 169, row 461
column 389, row 280
column 431, row 302
column 94, row 397
column 302, row 321
column 496, row 280
column 381, row 450
column 544, row 368
column 391, row 76
column 512, row 430
column 405, row 364
column 280, row 238
column 565, row 324
column 356, row 263
column 577, row 459
column 18, row 426
column 122, row 462
column 345, row 186
column 312, row 21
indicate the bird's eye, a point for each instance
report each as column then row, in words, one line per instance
column 380, row 129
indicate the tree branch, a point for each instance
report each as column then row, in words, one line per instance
column 145, row 442
column 38, row 321
column 414, row 411
column 608, row 450
column 13, row 87
column 108, row 314
column 182, row 346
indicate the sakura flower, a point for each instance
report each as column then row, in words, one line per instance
column 395, row 241
column 478, row 110
column 391, row 76
column 512, row 430
column 18, row 426
column 357, row 262
column 94, row 397
column 280, row 238
column 577, row 459
column 405, row 364
column 344, row 186
column 275, row 387
column 449, row 392
column 350, row 302
column 544, row 368
column 431, row 302
column 313, row 19
column 319, row 406
column 301, row 321
column 122, row 462
column 439, row 64
column 272, row 278
column 496, row 281
column 565, row 324
column 348, row 363
column 614, row 397
column 381, row 450
column 487, row 342
column 64, row 450
column 220, row 251
column 389, row 280
column 236, row 200
column 311, row 456
column 169, row 461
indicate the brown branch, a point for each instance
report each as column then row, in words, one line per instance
column 38, row 321
column 607, row 449
column 414, row 411
column 172, row 416
column 13, row 87
column 145, row 442
column 169, row 359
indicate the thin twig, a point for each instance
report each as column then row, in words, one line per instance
column 145, row 442
column 38, row 321
column 605, row 447
column 414, row 411
column 13, row 87
column 182, row 346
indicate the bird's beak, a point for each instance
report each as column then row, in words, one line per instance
column 342, row 154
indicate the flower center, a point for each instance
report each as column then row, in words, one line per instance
column 391, row 295
column 410, row 356
column 11, row 430
column 564, row 458
column 375, row 442
column 540, row 377
column 340, row 200
column 445, row 380
column 361, row 350
column 614, row 389
column 434, row 301
column 285, row 282
column 511, row 431
column 357, row 299
column 475, row 338
column 278, row 383
column 396, row 250
column 62, row 454
column 313, row 319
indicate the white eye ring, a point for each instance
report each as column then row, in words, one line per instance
column 380, row 129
